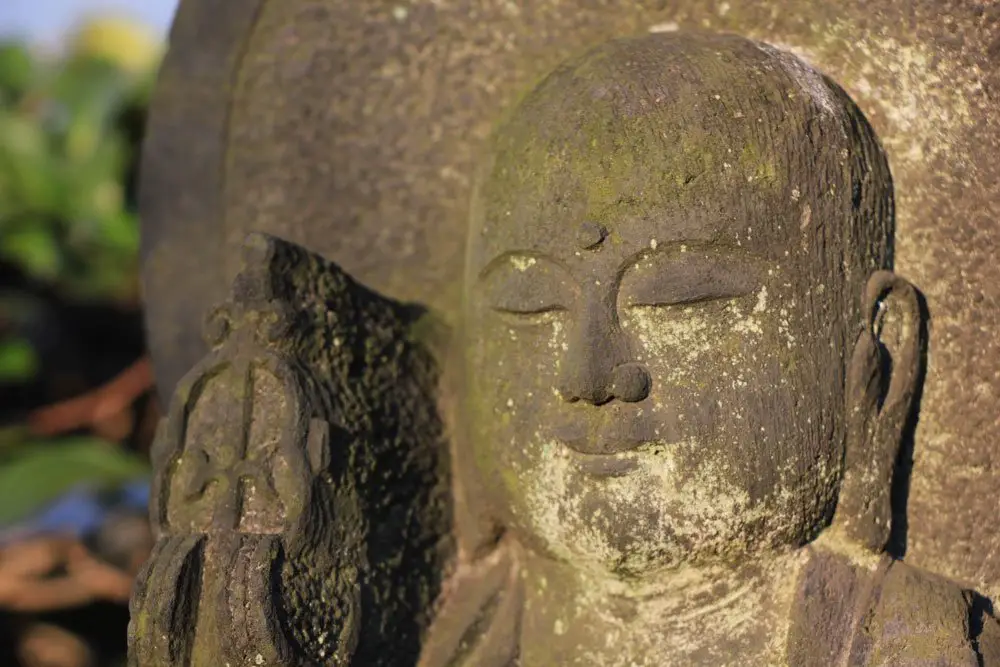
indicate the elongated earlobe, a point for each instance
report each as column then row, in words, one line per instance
column 884, row 381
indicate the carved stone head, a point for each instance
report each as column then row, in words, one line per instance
column 668, row 261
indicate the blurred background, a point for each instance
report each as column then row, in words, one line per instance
column 77, row 412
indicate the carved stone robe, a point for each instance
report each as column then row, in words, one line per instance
column 844, row 616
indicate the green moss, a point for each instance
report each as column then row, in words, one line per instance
column 757, row 166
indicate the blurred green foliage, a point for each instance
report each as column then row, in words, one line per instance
column 63, row 159
column 18, row 361
column 69, row 135
column 67, row 145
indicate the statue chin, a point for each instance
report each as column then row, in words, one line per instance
column 648, row 519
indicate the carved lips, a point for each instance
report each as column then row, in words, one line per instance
column 610, row 444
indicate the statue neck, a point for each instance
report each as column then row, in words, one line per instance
column 690, row 615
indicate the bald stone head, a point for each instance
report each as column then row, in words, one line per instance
column 669, row 247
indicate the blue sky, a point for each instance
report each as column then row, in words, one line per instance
column 48, row 20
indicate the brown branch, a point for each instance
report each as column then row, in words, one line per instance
column 52, row 573
column 98, row 406
column 46, row 645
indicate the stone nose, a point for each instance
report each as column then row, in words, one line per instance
column 597, row 367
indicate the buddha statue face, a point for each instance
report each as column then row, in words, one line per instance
column 668, row 249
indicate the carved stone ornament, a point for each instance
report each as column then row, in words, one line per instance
column 300, row 479
column 667, row 407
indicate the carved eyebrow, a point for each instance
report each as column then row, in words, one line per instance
column 513, row 257
column 723, row 251
column 679, row 275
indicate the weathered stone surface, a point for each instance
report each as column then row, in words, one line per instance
column 353, row 128
column 301, row 495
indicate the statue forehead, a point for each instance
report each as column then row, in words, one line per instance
column 743, row 196
column 703, row 84
column 696, row 136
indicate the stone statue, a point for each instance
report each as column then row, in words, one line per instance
column 687, row 379
column 690, row 373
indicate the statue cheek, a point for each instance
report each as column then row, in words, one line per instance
column 679, row 343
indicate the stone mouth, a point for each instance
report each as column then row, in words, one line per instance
column 608, row 437
column 605, row 465
column 612, row 452
column 610, row 444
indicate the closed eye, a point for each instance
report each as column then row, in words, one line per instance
column 530, row 310
column 530, row 318
column 526, row 288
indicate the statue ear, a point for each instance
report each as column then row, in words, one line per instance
column 884, row 380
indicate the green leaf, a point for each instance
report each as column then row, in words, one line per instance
column 92, row 87
column 41, row 471
column 17, row 69
column 18, row 361
column 35, row 249
column 83, row 136
column 20, row 136
column 12, row 437
column 93, row 186
column 120, row 235
column 29, row 178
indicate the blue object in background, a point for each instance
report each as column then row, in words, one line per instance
column 135, row 495
column 79, row 512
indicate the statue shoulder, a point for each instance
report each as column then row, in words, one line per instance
column 916, row 618
column 890, row 615
column 986, row 630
